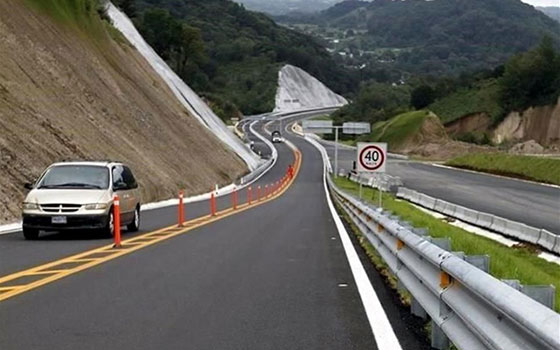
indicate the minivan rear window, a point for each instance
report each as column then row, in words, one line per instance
column 75, row 176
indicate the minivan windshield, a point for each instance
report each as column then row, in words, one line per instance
column 75, row 176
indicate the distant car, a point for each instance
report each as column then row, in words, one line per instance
column 79, row 195
column 276, row 137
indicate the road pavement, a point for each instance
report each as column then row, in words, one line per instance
column 533, row 204
column 272, row 277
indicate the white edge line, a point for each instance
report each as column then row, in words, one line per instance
column 494, row 175
column 380, row 326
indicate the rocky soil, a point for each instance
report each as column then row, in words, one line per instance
column 66, row 96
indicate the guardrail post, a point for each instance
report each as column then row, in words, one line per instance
column 181, row 209
column 439, row 339
column 416, row 309
column 480, row 261
column 117, row 221
column 443, row 243
column 542, row 294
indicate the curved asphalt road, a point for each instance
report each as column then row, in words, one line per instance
column 533, row 204
column 266, row 278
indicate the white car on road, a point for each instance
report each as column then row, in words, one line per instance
column 79, row 196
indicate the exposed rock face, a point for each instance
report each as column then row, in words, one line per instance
column 299, row 90
column 64, row 95
column 476, row 122
column 541, row 124
column 528, row 147
column 186, row 96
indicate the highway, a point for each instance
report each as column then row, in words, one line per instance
column 275, row 276
column 530, row 203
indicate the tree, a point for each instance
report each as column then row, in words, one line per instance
column 190, row 50
column 531, row 78
column 422, row 97
column 127, row 6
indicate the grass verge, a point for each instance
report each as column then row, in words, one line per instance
column 524, row 167
column 398, row 130
column 517, row 263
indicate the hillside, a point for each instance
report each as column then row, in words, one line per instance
column 279, row 7
column 430, row 37
column 239, row 52
column 552, row 12
column 71, row 87
column 298, row 90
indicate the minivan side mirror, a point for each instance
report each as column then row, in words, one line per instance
column 28, row 186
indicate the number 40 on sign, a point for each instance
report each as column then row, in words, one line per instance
column 372, row 157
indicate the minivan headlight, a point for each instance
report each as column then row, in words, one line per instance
column 96, row 206
column 30, row 206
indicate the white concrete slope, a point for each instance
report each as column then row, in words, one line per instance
column 190, row 100
column 298, row 90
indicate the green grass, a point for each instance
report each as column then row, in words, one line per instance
column 398, row 130
column 483, row 98
column 539, row 169
column 518, row 263
column 81, row 15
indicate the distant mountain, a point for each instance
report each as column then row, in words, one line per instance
column 280, row 7
column 429, row 37
column 241, row 52
column 552, row 12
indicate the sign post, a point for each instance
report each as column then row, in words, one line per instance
column 372, row 158
column 327, row 127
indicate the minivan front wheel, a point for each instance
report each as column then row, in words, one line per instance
column 30, row 233
column 109, row 229
column 135, row 224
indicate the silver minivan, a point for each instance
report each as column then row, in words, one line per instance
column 79, row 196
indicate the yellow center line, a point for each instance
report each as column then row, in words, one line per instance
column 108, row 252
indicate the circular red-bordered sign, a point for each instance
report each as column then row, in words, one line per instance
column 379, row 163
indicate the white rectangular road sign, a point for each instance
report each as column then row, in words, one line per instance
column 356, row 128
column 318, row 126
column 371, row 157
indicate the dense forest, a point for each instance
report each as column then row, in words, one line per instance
column 430, row 37
column 230, row 55
column 526, row 80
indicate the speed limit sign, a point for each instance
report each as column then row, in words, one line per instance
column 372, row 157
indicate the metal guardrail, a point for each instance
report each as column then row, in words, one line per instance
column 467, row 305
column 520, row 231
column 472, row 308
column 383, row 182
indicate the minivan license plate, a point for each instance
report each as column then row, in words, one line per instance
column 59, row 220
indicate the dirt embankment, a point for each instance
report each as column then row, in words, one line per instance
column 541, row 124
column 476, row 122
column 64, row 96
column 433, row 142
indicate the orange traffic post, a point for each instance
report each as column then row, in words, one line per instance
column 266, row 191
column 212, row 204
column 181, row 209
column 258, row 193
column 249, row 190
column 117, row 221
column 234, row 199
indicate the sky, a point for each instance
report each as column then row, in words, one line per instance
column 543, row 2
